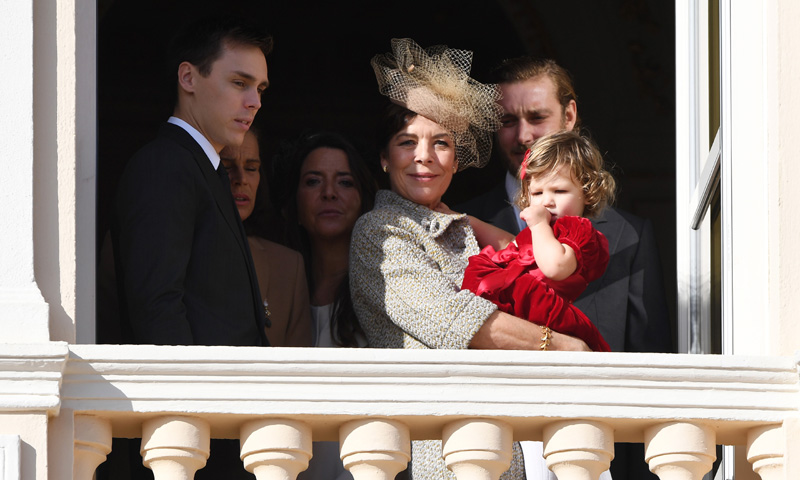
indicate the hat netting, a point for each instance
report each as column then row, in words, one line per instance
column 435, row 83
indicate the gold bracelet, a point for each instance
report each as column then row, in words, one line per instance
column 547, row 334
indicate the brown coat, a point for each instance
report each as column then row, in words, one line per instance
column 282, row 279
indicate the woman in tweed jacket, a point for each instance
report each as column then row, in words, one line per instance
column 407, row 259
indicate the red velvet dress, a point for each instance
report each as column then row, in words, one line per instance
column 511, row 279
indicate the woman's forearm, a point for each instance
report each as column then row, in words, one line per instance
column 487, row 234
column 502, row 331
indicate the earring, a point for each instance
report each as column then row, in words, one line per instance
column 386, row 169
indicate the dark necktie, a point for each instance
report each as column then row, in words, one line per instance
column 223, row 176
column 226, row 186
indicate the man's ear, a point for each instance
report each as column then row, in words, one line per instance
column 186, row 76
column 570, row 115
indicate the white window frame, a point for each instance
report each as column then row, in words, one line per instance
column 692, row 118
column 740, row 166
column 736, row 164
column 85, row 105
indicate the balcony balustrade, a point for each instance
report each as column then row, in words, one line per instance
column 276, row 401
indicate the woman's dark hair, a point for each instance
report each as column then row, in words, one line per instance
column 264, row 221
column 395, row 118
column 284, row 181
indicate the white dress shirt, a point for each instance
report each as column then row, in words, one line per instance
column 199, row 138
column 512, row 187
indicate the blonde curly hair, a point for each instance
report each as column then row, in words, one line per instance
column 581, row 155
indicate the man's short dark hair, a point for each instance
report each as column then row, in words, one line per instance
column 201, row 42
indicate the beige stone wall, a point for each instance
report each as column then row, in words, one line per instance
column 783, row 59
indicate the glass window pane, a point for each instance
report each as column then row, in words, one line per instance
column 713, row 69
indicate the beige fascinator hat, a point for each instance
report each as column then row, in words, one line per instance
column 435, row 83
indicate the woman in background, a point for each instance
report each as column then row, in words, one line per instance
column 280, row 270
column 327, row 187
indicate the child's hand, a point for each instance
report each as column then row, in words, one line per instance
column 443, row 208
column 534, row 215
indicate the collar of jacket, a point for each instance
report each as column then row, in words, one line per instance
column 435, row 223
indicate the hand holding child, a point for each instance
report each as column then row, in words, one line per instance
column 485, row 233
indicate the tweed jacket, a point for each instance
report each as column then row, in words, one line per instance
column 406, row 267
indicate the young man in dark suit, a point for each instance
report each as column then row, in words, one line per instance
column 182, row 257
column 627, row 303
column 184, row 269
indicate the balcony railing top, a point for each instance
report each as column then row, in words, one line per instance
column 423, row 388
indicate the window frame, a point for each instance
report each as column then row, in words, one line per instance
column 84, row 77
column 735, row 165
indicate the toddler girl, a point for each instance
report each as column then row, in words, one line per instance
column 554, row 259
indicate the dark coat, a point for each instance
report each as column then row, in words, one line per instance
column 185, row 271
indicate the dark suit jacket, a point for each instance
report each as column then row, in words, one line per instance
column 630, row 317
column 627, row 303
column 492, row 207
column 185, row 271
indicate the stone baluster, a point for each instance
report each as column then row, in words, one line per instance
column 578, row 449
column 175, row 447
column 766, row 450
column 374, row 449
column 275, row 449
column 477, row 449
column 92, row 442
column 680, row 451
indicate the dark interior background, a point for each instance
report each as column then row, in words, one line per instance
column 619, row 52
